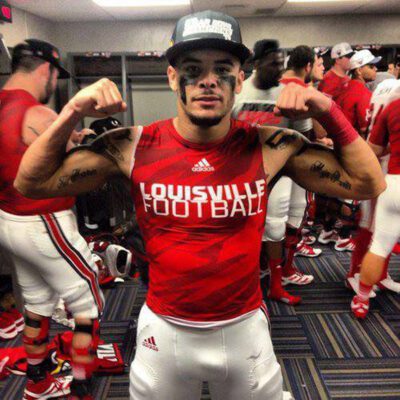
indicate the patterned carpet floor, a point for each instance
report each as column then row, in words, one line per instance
column 325, row 353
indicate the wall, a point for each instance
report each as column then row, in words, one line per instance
column 291, row 31
column 26, row 25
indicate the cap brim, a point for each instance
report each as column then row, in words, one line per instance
column 375, row 60
column 348, row 55
column 237, row 49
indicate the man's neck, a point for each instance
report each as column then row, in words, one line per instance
column 261, row 85
column 339, row 71
column 201, row 135
column 25, row 82
column 294, row 75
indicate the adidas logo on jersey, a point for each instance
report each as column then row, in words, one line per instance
column 203, row 166
column 150, row 343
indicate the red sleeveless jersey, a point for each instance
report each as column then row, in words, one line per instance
column 201, row 209
column 13, row 106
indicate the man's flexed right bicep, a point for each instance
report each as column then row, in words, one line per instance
column 81, row 172
column 44, row 166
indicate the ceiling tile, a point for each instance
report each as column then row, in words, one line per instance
column 320, row 8
column 87, row 10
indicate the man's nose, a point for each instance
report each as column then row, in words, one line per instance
column 209, row 80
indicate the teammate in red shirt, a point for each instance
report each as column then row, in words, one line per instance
column 199, row 185
column 385, row 132
column 355, row 97
column 336, row 78
column 51, row 259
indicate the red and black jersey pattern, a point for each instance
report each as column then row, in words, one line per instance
column 201, row 209
column 13, row 106
column 387, row 131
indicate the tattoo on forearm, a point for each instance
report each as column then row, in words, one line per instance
column 334, row 176
column 34, row 130
column 77, row 175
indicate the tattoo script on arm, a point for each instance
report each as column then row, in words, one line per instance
column 320, row 169
column 76, row 175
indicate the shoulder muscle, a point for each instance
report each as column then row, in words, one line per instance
column 37, row 120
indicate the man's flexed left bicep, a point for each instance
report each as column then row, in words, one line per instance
column 321, row 170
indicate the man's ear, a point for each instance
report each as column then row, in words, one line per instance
column 44, row 70
column 239, row 82
column 172, row 78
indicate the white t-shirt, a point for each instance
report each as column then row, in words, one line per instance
column 257, row 106
column 386, row 92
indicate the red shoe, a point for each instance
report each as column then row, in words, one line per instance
column 298, row 278
column 49, row 388
column 347, row 244
column 304, row 250
column 284, row 297
column 18, row 318
column 326, row 237
column 8, row 329
column 359, row 307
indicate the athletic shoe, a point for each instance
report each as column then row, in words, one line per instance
column 304, row 250
column 49, row 388
column 17, row 317
column 284, row 297
column 353, row 282
column 389, row 284
column 359, row 307
column 298, row 278
column 8, row 329
column 326, row 237
column 347, row 244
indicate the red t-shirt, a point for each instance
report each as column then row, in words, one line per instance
column 13, row 106
column 333, row 84
column 201, row 209
column 386, row 130
column 354, row 101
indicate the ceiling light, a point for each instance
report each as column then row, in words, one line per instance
column 141, row 3
column 320, row 1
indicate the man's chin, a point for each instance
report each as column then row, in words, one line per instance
column 205, row 121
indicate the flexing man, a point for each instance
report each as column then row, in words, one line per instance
column 199, row 183
column 51, row 259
